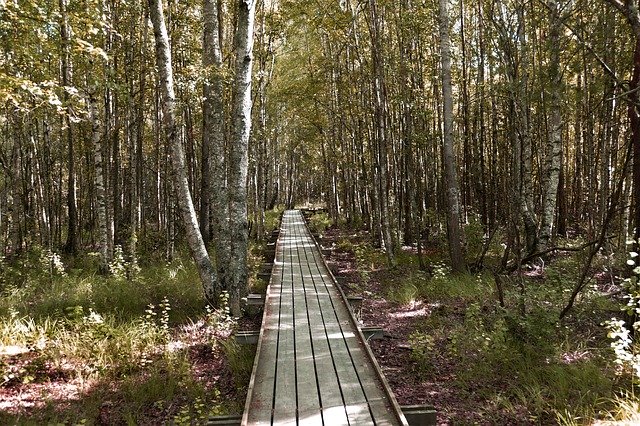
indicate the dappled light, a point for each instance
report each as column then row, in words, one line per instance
column 343, row 211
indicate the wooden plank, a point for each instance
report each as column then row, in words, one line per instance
column 353, row 396
column 379, row 403
column 309, row 410
column 374, row 394
column 333, row 402
column 284, row 409
column 260, row 393
column 333, row 409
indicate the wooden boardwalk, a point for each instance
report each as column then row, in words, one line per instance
column 312, row 366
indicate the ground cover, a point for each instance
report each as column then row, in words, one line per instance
column 449, row 343
column 140, row 347
column 76, row 348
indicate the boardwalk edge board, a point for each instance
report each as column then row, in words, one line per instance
column 245, row 416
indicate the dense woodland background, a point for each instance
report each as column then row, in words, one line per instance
column 347, row 110
column 506, row 133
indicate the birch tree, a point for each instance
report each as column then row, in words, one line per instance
column 181, row 184
column 630, row 9
column 554, row 139
column 381, row 135
column 71, row 246
column 215, row 207
column 96, row 141
column 239, row 153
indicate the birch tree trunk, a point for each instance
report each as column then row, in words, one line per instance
column 101, row 210
column 515, row 57
column 554, row 141
column 71, row 245
column 631, row 11
column 215, row 208
column 522, row 113
column 238, row 153
column 185, row 204
column 453, row 192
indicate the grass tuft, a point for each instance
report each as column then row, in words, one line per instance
column 124, row 346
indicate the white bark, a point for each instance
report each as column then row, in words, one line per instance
column 101, row 209
column 185, row 203
column 381, row 136
column 215, row 185
column 554, row 141
column 522, row 111
column 238, row 223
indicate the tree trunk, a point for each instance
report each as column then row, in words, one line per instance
column 96, row 141
column 238, row 155
column 554, row 141
column 165, row 74
column 213, row 138
column 631, row 11
column 71, row 245
column 634, row 119
column 454, row 232
column 380, row 134
column 524, row 135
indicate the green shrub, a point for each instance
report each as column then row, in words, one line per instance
column 319, row 222
column 345, row 245
column 422, row 347
column 461, row 287
column 272, row 219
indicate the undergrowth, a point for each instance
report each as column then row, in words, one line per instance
column 518, row 358
column 123, row 342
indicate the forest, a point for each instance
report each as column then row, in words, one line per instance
column 472, row 168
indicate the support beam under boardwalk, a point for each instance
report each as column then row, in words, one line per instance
column 312, row 365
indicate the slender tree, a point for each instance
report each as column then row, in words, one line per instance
column 381, row 135
column 239, row 152
column 630, row 9
column 96, row 140
column 554, row 138
column 71, row 246
column 451, row 175
column 214, row 205
column 181, row 183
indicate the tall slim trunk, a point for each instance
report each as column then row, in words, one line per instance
column 524, row 133
column 634, row 118
column 101, row 210
column 71, row 245
column 381, row 134
column 185, row 203
column 453, row 192
column 215, row 203
column 263, row 134
column 238, row 153
column 41, row 195
column 554, row 141
column 135, row 151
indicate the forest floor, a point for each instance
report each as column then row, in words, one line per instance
column 79, row 349
column 435, row 346
column 410, row 384
column 44, row 392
